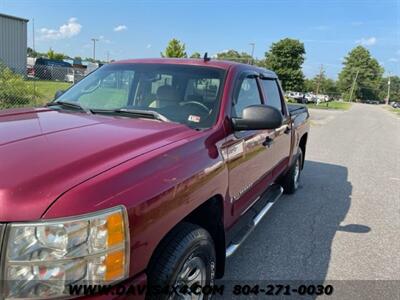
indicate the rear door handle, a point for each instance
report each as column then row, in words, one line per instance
column 268, row 142
column 287, row 130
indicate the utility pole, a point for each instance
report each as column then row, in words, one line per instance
column 94, row 48
column 388, row 93
column 353, row 85
column 253, row 45
column 108, row 56
column 321, row 70
column 33, row 34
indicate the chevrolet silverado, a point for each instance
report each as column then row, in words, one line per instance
column 147, row 171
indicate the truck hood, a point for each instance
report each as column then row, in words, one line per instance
column 44, row 153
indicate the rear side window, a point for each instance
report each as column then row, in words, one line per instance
column 249, row 94
column 272, row 94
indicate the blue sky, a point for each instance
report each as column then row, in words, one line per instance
column 134, row 29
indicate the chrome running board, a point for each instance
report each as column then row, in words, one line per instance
column 233, row 246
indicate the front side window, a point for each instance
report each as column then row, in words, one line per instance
column 272, row 94
column 185, row 94
column 248, row 94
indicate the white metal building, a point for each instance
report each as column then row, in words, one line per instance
column 13, row 42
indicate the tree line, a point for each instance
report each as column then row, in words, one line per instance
column 51, row 54
column 360, row 78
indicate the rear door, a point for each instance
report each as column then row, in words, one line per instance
column 280, row 147
column 250, row 168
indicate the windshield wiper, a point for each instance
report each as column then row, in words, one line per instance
column 69, row 105
column 144, row 114
column 148, row 114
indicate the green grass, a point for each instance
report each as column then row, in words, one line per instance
column 45, row 90
column 331, row 105
column 393, row 110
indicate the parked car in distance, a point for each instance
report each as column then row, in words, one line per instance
column 48, row 69
column 396, row 104
column 375, row 102
column 146, row 172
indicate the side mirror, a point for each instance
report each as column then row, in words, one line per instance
column 58, row 94
column 258, row 117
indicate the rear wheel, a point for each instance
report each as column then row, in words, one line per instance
column 185, row 261
column 290, row 182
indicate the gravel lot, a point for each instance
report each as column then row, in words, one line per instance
column 343, row 224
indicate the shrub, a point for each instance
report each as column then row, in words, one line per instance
column 14, row 90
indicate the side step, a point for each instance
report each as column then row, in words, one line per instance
column 258, row 210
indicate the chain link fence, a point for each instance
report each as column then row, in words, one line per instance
column 35, row 85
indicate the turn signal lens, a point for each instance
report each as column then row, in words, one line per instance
column 115, row 265
column 115, row 229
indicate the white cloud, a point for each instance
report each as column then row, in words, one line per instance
column 148, row 46
column 120, row 28
column 68, row 30
column 393, row 59
column 367, row 41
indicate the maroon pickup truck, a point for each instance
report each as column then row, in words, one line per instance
column 147, row 172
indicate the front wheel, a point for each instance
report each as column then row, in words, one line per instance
column 185, row 262
column 290, row 182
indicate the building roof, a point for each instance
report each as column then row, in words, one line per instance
column 13, row 17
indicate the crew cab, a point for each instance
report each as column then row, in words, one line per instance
column 147, row 172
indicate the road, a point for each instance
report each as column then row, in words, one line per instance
column 343, row 224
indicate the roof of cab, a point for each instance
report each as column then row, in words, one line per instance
column 221, row 64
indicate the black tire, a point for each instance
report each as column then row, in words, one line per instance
column 186, row 244
column 290, row 182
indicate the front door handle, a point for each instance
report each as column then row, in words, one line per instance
column 268, row 142
column 287, row 130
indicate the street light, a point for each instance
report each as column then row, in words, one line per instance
column 94, row 48
column 252, row 51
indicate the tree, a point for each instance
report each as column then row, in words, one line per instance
column 195, row 55
column 174, row 49
column 285, row 58
column 31, row 52
column 394, row 88
column 309, row 85
column 323, row 84
column 51, row 54
column 234, row 55
column 360, row 63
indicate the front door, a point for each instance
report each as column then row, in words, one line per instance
column 248, row 163
column 280, row 147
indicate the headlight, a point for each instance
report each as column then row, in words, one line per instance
column 42, row 259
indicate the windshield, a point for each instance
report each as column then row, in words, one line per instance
column 185, row 94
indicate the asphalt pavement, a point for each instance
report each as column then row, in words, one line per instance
column 343, row 225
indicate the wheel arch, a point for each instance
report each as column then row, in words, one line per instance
column 302, row 146
column 209, row 215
